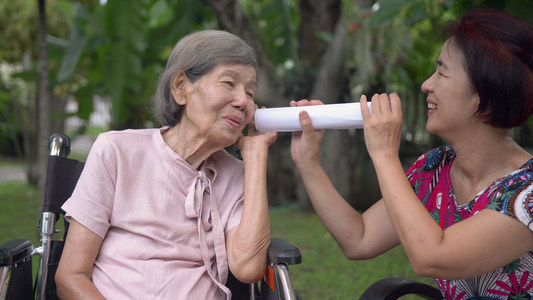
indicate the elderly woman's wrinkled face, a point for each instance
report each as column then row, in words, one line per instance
column 220, row 104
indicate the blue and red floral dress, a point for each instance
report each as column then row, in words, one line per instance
column 511, row 195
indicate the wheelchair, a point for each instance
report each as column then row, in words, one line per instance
column 16, row 272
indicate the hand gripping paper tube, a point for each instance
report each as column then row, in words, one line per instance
column 327, row 116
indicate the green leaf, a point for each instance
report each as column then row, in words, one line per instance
column 388, row 11
column 84, row 95
column 74, row 48
column 27, row 76
column 326, row 36
column 124, row 25
column 521, row 8
column 56, row 48
column 57, row 43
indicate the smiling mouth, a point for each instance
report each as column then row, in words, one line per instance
column 234, row 122
column 432, row 106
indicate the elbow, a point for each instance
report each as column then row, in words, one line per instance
column 250, row 274
column 351, row 255
column 354, row 253
column 248, row 263
column 249, row 270
column 424, row 268
column 357, row 256
column 60, row 285
column 424, row 271
column 420, row 270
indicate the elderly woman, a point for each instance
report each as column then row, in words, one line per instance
column 464, row 213
column 162, row 213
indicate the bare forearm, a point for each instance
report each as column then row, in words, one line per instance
column 252, row 238
column 74, row 273
column 77, row 287
column 419, row 234
column 343, row 222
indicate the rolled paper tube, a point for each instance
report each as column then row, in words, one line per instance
column 327, row 116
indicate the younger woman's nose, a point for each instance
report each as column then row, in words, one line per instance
column 427, row 86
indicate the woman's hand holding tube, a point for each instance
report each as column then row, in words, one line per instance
column 305, row 144
column 382, row 128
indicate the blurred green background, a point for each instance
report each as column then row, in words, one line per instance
column 87, row 66
column 84, row 67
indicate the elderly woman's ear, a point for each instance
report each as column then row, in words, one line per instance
column 178, row 88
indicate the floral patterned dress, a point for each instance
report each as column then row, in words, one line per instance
column 511, row 195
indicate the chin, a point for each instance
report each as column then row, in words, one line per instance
column 431, row 129
column 228, row 140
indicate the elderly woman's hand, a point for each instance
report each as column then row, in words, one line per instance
column 255, row 138
column 382, row 128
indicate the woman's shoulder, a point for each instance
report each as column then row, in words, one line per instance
column 513, row 194
column 128, row 134
column 128, row 138
column 517, row 180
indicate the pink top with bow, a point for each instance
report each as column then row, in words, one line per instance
column 162, row 221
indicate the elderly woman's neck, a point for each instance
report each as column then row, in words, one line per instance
column 194, row 150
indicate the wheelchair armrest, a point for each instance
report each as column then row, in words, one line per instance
column 394, row 288
column 284, row 252
column 15, row 251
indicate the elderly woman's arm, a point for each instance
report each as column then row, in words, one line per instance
column 247, row 244
column 73, row 277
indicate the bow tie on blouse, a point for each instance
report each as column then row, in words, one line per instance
column 194, row 209
column 195, row 196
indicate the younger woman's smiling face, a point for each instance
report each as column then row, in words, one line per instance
column 220, row 104
column 451, row 99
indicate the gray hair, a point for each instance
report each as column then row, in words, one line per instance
column 196, row 54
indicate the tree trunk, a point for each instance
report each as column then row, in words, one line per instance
column 43, row 103
column 327, row 86
column 316, row 16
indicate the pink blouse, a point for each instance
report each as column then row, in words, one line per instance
column 162, row 221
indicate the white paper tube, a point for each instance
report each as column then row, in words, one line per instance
column 328, row 116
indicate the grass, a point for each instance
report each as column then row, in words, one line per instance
column 20, row 213
column 323, row 274
column 5, row 162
